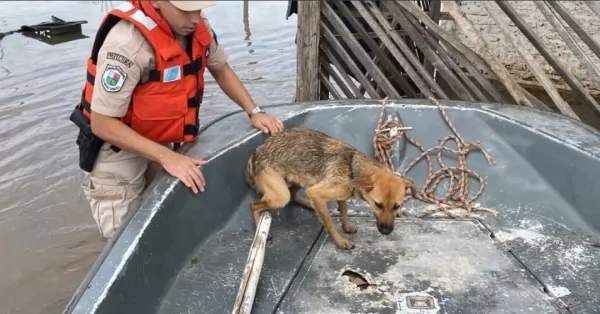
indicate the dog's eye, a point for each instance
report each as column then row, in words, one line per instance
column 396, row 206
column 379, row 205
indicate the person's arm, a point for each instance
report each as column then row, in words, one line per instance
column 118, row 134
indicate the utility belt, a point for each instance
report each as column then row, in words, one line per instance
column 90, row 144
column 116, row 149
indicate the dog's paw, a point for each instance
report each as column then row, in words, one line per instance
column 349, row 228
column 344, row 244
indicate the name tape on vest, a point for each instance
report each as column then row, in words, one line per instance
column 172, row 74
column 113, row 78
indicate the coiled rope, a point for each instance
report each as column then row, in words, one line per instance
column 458, row 190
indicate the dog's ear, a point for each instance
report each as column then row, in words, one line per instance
column 366, row 183
column 408, row 184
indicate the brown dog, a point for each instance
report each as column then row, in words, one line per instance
column 328, row 170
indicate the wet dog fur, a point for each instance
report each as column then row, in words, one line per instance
column 329, row 170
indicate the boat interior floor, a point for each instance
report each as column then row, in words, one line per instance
column 524, row 260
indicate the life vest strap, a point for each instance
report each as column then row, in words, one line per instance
column 85, row 105
column 155, row 75
column 189, row 69
column 90, row 78
column 190, row 129
column 195, row 101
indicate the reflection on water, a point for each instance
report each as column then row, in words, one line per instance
column 248, row 37
column 55, row 40
column 48, row 238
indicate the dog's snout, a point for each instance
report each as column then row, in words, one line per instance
column 385, row 229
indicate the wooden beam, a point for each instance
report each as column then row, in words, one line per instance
column 359, row 51
column 328, row 58
column 406, row 58
column 560, row 103
column 307, row 57
column 442, row 15
column 558, row 66
column 346, row 59
column 435, row 10
column 482, row 49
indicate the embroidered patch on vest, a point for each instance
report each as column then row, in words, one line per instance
column 113, row 78
column 172, row 74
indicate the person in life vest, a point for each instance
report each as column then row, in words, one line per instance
column 144, row 88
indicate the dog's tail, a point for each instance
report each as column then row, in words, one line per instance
column 249, row 172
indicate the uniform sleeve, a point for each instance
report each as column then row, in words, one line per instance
column 118, row 71
column 217, row 57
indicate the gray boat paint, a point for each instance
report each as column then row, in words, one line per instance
column 143, row 272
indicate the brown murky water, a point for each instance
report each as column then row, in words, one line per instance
column 48, row 239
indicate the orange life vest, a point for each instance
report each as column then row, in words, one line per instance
column 165, row 108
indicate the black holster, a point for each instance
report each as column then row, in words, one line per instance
column 89, row 144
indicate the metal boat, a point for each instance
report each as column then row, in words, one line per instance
column 186, row 253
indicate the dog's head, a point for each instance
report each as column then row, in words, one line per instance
column 384, row 191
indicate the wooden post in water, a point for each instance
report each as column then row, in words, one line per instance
column 307, row 73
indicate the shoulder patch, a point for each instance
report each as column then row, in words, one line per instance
column 113, row 78
column 120, row 58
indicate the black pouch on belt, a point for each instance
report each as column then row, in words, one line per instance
column 89, row 144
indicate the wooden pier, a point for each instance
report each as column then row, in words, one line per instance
column 396, row 49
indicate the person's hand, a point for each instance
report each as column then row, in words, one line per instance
column 267, row 123
column 185, row 169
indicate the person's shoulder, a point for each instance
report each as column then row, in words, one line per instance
column 126, row 44
column 126, row 37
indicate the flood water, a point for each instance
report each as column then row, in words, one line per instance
column 48, row 240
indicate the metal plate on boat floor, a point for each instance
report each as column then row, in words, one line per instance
column 424, row 266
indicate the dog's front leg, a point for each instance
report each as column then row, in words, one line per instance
column 346, row 225
column 320, row 206
column 322, row 211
